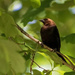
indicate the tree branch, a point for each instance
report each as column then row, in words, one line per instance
column 46, row 47
column 38, row 65
column 33, row 55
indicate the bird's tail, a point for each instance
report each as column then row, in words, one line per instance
column 61, row 57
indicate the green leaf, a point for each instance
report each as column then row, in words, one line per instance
column 69, row 73
column 69, row 38
column 31, row 13
column 54, row 57
column 1, row 11
column 36, row 72
column 72, row 59
column 35, row 3
column 19, row 39
column 59, row 7
column 74, row 1
column 34, row 29
column 65, row 68
column 27, row 74
column 4, row 60
column 42, row 61
column 17, row 62
column 47, row 57
column 10, row 58
column 68, row 45
column 55, row 72
column 47, row 72
column 68, row 49
column 7, row 25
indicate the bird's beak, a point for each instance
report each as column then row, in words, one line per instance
column 42, row 21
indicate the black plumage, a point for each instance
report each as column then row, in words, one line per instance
column 50, row 35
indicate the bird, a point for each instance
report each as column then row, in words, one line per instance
column 50, row 35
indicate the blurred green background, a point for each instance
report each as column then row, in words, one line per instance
column 27, row 13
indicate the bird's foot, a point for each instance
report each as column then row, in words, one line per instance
column 55, row 50
column 42, row 44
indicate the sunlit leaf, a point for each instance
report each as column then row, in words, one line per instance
column 56, row 73
column 36, row 72
column 47, row 72
column 35, row 3
column 47, row 57
column 65, row 68
column 72, row 59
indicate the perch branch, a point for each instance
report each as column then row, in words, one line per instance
column 65, row 57
column 46, row 47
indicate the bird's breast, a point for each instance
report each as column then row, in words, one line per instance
column 47, row 34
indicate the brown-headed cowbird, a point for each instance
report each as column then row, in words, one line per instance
column 50, row 35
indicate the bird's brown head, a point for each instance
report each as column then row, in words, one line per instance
column 47, row 22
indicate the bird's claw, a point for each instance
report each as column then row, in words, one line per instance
column 42, row 44
column 55, row 50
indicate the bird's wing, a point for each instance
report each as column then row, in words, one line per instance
column 57, row 37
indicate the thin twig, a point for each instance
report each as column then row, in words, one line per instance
column 33, row 55
column 38, row 65
column 46, row 47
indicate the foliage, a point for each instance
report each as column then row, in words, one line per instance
column 16, row 49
